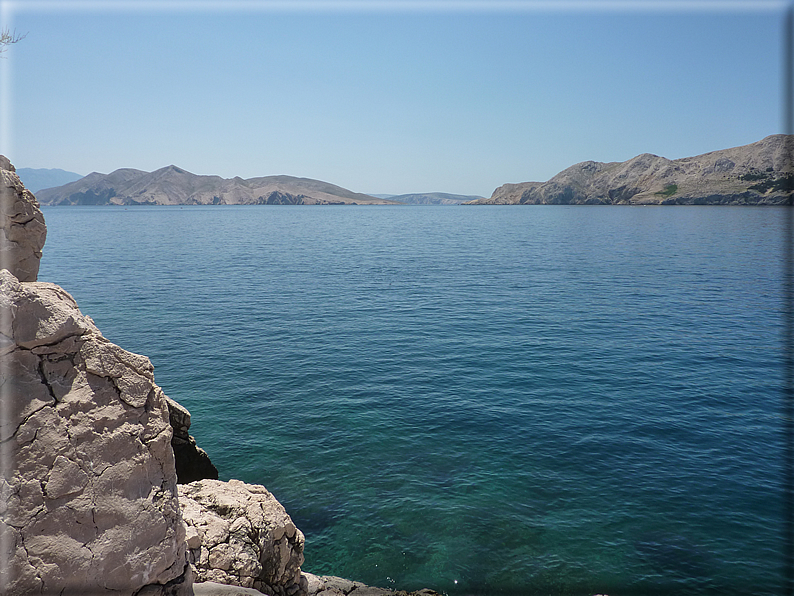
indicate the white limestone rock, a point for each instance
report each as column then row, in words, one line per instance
column 22, row 229
column 88, row 480
column 246, row 537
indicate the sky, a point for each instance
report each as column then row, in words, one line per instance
column 392, row 96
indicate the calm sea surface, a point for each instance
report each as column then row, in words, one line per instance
column 489, row 400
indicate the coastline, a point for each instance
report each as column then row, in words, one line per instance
column 94, row 497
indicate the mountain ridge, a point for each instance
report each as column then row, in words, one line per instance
column 431, row 198
column 759, row 173
column 36, row 179
column 172, row 185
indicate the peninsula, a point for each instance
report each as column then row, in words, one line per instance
column 761, row 173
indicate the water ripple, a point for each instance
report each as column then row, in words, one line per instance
column 483, row 401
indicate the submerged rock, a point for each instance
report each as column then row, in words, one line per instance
column 216, row 589
column 330, row 585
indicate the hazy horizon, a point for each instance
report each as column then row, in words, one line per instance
column 385, row 97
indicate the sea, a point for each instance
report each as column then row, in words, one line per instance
column 492, row 400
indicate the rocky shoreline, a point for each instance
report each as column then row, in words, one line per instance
column 103, row 491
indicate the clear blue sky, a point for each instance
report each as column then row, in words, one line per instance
column 386, row 98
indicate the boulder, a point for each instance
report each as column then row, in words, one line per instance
column 22, row 229
column 239, row 534
column 89, row 500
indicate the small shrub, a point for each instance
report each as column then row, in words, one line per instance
column 669, row 190
column 785, row 183
column 752, row 176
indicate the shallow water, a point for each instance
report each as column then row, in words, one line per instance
column 489, row 400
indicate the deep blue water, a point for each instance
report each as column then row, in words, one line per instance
column 489, row 400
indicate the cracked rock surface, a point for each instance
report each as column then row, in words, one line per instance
column 22, row 229
column 239, row 534
column 88, row 499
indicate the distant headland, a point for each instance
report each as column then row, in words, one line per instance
column 761, row 173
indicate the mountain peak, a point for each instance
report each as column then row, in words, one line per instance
column 172, row 169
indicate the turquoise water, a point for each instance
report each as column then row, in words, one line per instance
column 489, row 400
